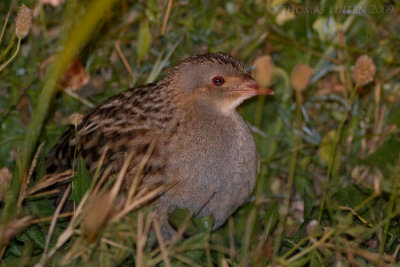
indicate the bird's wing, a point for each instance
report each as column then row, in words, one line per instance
column 131, row 122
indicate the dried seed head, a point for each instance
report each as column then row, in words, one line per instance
column 264, row 71
column 301, row 77
column 23, row 22
column 75, row 119
column 98, row 214
column 363, row 70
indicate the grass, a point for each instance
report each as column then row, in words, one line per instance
column 327, row 192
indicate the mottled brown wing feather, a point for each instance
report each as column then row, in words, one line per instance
column 123, row 124
column 59, row 157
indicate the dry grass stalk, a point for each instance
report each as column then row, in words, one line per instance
column 55, row 217
column 66, row 235
column 100, row 209
column 106, row 172
column 166, row 17
column 355, row 214
column 93, row 228
column 78, row 250
column 143, row 230
column 101, row 183
column 79, row 98
column 115, row 244
column 179, row 234
column 50, row 180
column 25, row 182
column 144, row 196
column 121, row 175
column 46, row 219
column 372, row 256
column 137, row 179
column 317, row 244
column 124, row 60
column 164, row 252
column 101, row 160
column 52, row 192
column 141, row 240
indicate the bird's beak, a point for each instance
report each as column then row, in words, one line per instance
column 251, row 88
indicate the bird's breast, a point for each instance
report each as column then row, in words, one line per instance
column 213, row 158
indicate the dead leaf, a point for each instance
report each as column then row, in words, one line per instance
column 76, row 77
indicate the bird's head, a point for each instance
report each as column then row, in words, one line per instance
column 217, row 78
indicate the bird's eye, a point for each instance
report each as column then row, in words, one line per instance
column 218, row 81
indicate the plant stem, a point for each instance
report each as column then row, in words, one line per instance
column 338, row 137
column 393, row 195
column 5, row 23
column 2, row 66
column 292, row 171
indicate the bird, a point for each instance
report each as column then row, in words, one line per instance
column 203, row 151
